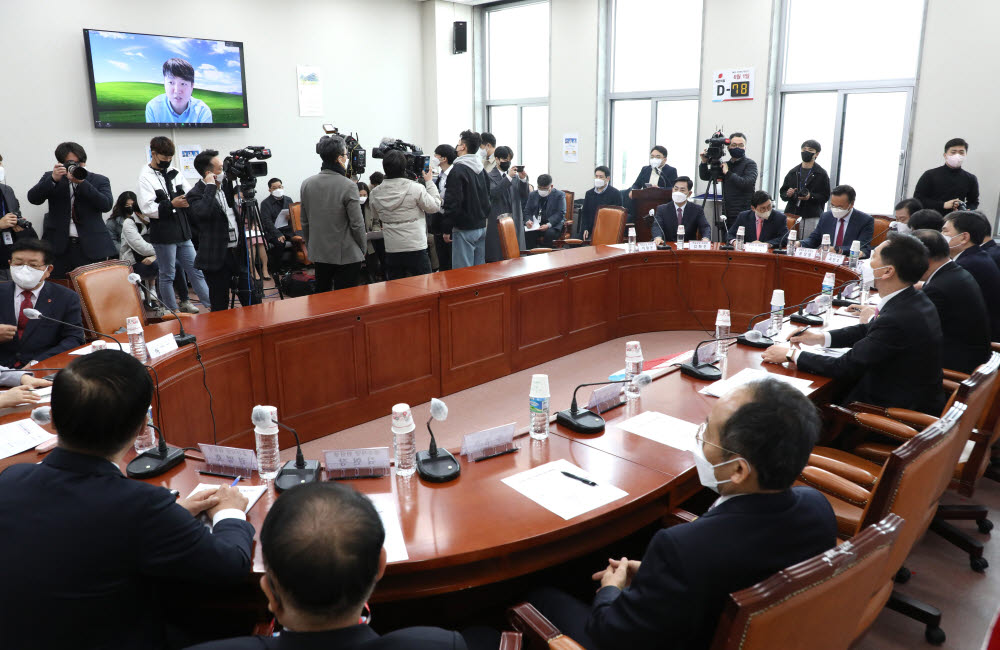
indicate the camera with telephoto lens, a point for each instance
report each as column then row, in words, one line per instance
column 76, row 170
column 357, row 157
column 801, row 193
column 246, row 164
column 717, row 145
column 23, row 223
column 416, row 162
column 961, row 206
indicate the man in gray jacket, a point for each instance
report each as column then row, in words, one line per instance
column 332, row 224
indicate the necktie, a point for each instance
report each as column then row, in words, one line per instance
column 840, row 234
column 72, row 206
column 759, row 224
column 680, row 215
column 22, row 319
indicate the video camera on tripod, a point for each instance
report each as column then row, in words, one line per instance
column 357, row 157
column 717, row 146
column 416, row 162
column 246, row 164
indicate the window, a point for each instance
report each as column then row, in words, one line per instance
column 654, row 85
column 857, row 106
column 517, row 81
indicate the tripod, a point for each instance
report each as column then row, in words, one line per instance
column 251, row 224
column 714, row 188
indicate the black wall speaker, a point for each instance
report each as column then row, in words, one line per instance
column 461, row 37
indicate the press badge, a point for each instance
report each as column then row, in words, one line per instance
column 8, row 238
column 232, row 236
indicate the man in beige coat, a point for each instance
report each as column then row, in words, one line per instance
column 332, row 224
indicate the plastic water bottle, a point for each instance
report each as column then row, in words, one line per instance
column 404, row 440
column 631, row 239
column 136, row 339
column 538, row 407
column 828, row 281
column 866, row 288
column 741, row 235
column 268, row 454
column 633, row 367
column 852, row 262
column 793, row 242
column 680, row 237
column 824, row 248
column 147, row 439
column 777, row 312
column 723, row 325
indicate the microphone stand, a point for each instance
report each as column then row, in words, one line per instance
column 699, row 370
column 784, row 238
column 298, row 471
column 724, row 244
column 437, row 465
column 809, row 319
column 110, row 338
column 154, row 462
column 582, row 420
column 182, row 338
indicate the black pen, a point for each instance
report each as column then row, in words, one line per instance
column 219, row 474
column 801, row 331
column 579, row 478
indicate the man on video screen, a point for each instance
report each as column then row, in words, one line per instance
column 176, row 104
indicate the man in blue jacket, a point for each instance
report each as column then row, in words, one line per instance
column 843, row 223
column 546, row 209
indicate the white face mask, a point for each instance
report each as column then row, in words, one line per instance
column 435, row 162
column 544, row 193
column 839, row 213
column 763, row 215
column 3, row 174
column 679, row 197
column 25, row 277
column 954, row 160
column 278, row 193
column 599, row 183
column 900, row 227
column 484, row 153
column 706, row 470
column 363, row 199
column 655, row 162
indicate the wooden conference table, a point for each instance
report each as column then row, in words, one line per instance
column 331, row 361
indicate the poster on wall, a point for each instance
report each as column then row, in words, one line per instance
column 188, row 153
column 310, row 86
column 571, row 150
column 733, row 85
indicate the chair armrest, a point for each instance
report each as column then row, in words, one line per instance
column 949, row 385
column 537, row 251
column 574, row 242
column 677, row 516
column 861, row 407
column 298, row 238
column 913, row 418
column 955, row 375
column 510, row 641
column 835, row 486
column 537, row 629
column 889, row 426
column 855, row 475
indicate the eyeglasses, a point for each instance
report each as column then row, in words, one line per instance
column 699, row 436
column 34, row 266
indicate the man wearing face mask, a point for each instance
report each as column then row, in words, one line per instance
column 843, row 223
column 944, row 188
column 12, row 226
column 465, row 204
column 739, row 176
column 275, row 202
column 547, row 207
column 750, row 453
column 965, row 231
column 903, row 211
column 602, row 194
column 895, row 359
column 680, row 211
column 23, row 340
column 77, row 202
column 761, row 223
column 806, row 187
column 508, row 193
column 657, row 173
column 443, row 160
column 487, row 151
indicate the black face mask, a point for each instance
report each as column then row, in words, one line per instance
column 807, row 156
column 127, row 210
column 504, row 166
column 737, row 153
column 162, row 164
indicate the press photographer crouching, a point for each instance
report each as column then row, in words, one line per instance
column 401, row 205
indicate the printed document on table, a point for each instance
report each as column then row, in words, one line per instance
column 22, row 435
column 251, row 492
column 747, row 375
column 662, row 428
column 567, row 497
column 395, row 546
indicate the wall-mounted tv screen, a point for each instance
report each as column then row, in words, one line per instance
column 148, row 81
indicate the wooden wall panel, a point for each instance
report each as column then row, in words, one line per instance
column 475, row 337
column 592, row 307
column 400, row 349
column 650, row 295
column 740, row 283
column 541, row 319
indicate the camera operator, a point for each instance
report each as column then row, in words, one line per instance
column 401, row 206
column 222, row 242
column 161, row 200
column 332, row 223
column 77, row 200
column 806, row 187
column 739, row 176
column 13, row 227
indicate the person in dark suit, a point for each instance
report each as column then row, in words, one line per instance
column 95, row 549
column 508, row 190
column 23, row 340
column 602, row 194
column 657, row 173
column 547, row 207
column 12, row 228
column 323, row 554
column 924, row 219
column 965, row 324
column 74, row 224
column 222, row 249
column 665, row 220
column 806, row 187
column 894, row 359
column 988, row 246
column 965, row 230
column 445, row 156
column 761, row 223
column 948, row 187
column 750, row 453
column 844, row 224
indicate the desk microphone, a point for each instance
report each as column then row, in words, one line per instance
column 154, row 462
column 294, row 472
column 809, row 319
column 584, row 421
column 437, row 465
column 182, row 338
column 695, row 368
column 724, row 244
column 782, row 251
column 34, row 314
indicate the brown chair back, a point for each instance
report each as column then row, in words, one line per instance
column 106, row 296
column 609, row 226
column 508, row 237
column 295, row 217
column 814, row 604
column 570, row 196
column 981, row 401
column 790, row 224
column 881, row 228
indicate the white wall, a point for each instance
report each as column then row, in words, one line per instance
column 449, row 94
column 369, row 51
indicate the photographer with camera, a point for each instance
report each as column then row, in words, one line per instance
column 332, row 223
column 77, row 200
column 806, row 188
column 466, row 204
column 508, row 194
column 401, row 206
column 13, row 227
column 161, row 200
column 738, row 174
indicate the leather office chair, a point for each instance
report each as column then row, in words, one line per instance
column 508, row 240
column 881, row 228
column 790, row 224
column 570, row 216
column 106, row 296
column 909, row 484
column 814, row 604
column 609, row 227
column 298, row 241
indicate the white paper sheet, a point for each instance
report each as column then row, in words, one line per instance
column 747, row 375
column 44, row 394
column 534, row 226
column 282, row 219
column 562, row 495
column 251, row 492
column 395, row 546
column 663, row 429
column 22, row 435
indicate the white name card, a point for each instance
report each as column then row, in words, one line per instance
column 808, row 253
column 229, row 460
column 606, row 397
column 756, row 247
column 645, row 246
column 159, row 347
column 699, row 245
column 356, row 463
column 489, row 443
column 834, row 258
